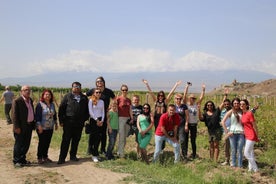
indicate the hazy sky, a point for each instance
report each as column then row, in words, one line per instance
column 39, row 36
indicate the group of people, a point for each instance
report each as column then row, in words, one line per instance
column 102, row 113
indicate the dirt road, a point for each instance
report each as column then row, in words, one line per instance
column 80, row 172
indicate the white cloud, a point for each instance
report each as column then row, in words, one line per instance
column 124, row 60
column 131, row 60
column 140, row 60
column 195, row 61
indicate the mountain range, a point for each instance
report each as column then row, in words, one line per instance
column 157, row 80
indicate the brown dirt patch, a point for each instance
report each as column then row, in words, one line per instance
column 83, row 171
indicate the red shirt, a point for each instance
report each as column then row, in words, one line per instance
column 247, row 122
column 168, row 122
column 124, row 105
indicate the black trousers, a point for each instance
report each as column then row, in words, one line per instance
column 94, row 138
column 71, row 134
column 22, row 144
column 192, row 129
column 103, row 135
column 44, row 143
column 7, row 112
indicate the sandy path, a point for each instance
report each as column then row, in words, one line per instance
column 83, row 171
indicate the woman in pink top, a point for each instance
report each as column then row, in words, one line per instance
column 251, row 134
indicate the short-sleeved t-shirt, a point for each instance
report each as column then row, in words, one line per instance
column 124, row 105
column 168, row 122
column 181, row 111
column 136, row 110
column 247, row 122
column 212, row 121
column 114, row 120
column 8, row 96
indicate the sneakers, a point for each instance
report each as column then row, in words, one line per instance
column 225, row 163
column 253, row 170
column 18, row 165
column 95, row 159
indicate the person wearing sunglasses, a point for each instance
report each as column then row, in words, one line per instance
column 97, row 116
column 106, row 96
column 211, row 117
column 182, row 110
column 72, row 113
column 125, row 117
column 160, row 103
column 144, row 125
column 191, row 126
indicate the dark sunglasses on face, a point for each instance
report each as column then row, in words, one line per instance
column 124, row 90
column 78, row 87
column 178, row 98
column 98, row 92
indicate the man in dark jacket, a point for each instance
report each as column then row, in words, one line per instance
column 23, row 124
column 73, row 112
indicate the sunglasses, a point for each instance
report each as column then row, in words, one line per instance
column 124, row 90
column 178, row 98
column 98, row 92
column 209, row 105
column 78, row 87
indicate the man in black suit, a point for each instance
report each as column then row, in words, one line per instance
column 23, row 124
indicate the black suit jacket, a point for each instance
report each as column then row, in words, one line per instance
column 20, row 114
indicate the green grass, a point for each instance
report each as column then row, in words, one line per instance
column 201, row 170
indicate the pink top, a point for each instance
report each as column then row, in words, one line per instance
column 247, row 122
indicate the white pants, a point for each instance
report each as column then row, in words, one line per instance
column 123, row 130
column 249, row 154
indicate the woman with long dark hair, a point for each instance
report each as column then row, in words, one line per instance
column 251, row 135
column 144, row 125
column 211, row 117
column 235, row 132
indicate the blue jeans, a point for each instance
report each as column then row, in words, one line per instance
column 111, row 143
column 236, row 143
column 158, row 147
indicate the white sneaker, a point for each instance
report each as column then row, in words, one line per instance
column 225, row 163
column 95, row 159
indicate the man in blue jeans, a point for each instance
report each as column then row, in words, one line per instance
column 167, row 131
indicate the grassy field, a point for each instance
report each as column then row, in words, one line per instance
column 200, row 170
